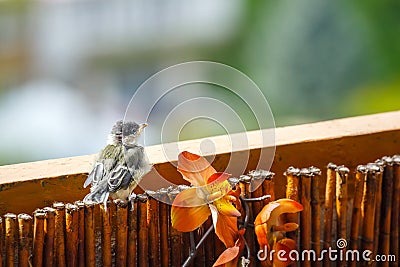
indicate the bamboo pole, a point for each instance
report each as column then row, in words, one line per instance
column 81, row 233
column 38, row 237
column 175, row 236
column 90, row 249
column 378, row 203
column 328, row 214
column 244, row 183
column 342, row 177
column 209, row 245
column 1, row 241
column 122, row 232
column 25, row 239
column 292, row 192
column 360, row 177
column 368, row 209
column 395, row 219
column 59, row 234
column 164, row 223
column 386, row 209
column 200, row 256
column 305, row 215
column 268, row 187
column 256, row 189
column 315, row 212
column 132, row 232
column 154, row 228
column 106, row 235
column 49, row 234
column 143, row 245
column 10, row 237
column 71, row 234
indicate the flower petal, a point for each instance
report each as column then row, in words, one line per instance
column 194, row 168
column 229, row 255
column 186, row 219
column 269, row 216
column 271, row 212
column 286, row 245
column 225, row 227
column 189, row 210
column 226, row 208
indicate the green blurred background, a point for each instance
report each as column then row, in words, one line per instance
column 69, row 68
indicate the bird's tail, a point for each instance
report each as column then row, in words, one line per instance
column 97, row 195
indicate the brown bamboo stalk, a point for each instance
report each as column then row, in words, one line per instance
column 106, row 235
column 59, row 234
column 292, row 192
column 10, row 237
column 90, row 250
column 164, row 223
column 305, row 215
column 360, row 177
column 175, row 237
column 386, row 209
column 154, row 228
column 378, row 204
column 49, row 234
column 122, row 232
column 329, row 200
column 200, row 260
column 1, row 241
column 315, row 212
column 71, row 234
column 256, row 189
column 38, row 237
column 132, row 233
column 25, row 239
column 395, row 218
column 81, row 233
column 143, row 245
column 268, row 187
column 245, row 182
column 368, row 209
column 209, row 245
column 342, row 177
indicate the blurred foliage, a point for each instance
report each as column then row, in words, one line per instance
column 313, row 60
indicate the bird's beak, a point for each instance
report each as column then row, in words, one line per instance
column 141, row 127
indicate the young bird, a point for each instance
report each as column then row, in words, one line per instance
column 119, row 166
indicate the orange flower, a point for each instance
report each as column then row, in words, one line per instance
column 210, row 195
column 230, row 256
column 270, row 228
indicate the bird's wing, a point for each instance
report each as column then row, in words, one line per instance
column 119, row 178
column 95, row 175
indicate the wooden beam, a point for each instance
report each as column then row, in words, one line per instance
column 350, row 141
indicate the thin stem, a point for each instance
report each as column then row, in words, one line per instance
column 194, row 247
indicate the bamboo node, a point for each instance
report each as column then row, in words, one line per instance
column 331, row 166
column 142, row 198
column 10, row 216
column 362, row 169
column 58, row 205
column 396, row 159
column 261, row 174
column 121, row 203
column 292, row 171
column 71, row 208
column 374, row 168
column 388, row 160
column 245, row 179
column 24, row 217
column 314, row 171
column 305, row 172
